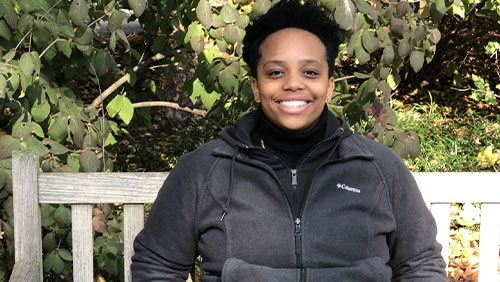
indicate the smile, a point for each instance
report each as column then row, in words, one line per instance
column 293, row 103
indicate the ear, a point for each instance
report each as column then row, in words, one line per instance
column 331, row 86
column 255, row 89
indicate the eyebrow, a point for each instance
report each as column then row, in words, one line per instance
column 280, row 62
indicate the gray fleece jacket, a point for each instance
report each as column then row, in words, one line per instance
column 363, row 218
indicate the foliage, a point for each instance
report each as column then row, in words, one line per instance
column 451, row 140
column 69, row 74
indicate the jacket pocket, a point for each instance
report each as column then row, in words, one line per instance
column 236, row 270
column 367, row 270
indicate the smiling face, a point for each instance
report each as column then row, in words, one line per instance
column 292, row 81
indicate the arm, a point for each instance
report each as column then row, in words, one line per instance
column 415, row 253
column 165, row 249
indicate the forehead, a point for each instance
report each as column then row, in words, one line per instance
column 292, row 40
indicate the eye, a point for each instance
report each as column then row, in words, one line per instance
column 275, row 73
column 311, row 73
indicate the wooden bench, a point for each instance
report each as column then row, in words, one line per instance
column 82, row 190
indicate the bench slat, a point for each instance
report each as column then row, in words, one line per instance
column 458, row 187
column 441, row 213
column 489, row 241
column 133, row 217
column 83, row 251
column 105, row 187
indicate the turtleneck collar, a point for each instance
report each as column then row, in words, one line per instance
column 290, row 145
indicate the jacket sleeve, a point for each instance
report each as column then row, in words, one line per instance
column 165, row 249
column 415, row 253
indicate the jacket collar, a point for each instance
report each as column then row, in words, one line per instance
column 237, row 138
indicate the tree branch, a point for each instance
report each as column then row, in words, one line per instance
column 169, row 105
column 52, row 44
column 97, row 101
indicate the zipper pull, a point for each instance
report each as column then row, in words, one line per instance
column 294, row 178
column 297, row 226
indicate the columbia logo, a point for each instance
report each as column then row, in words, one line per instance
column 347, row 188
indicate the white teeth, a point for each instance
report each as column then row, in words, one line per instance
column 293, row 104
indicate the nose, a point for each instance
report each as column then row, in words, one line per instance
column 293, row 82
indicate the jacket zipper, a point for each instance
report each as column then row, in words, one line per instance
column 298, row 226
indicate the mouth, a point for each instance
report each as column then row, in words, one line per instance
column 293, row 103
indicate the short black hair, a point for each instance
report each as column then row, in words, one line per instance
column 291, row 14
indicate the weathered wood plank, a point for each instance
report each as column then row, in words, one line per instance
column 489, row 241
column 25, row 271
column 459, row 187
column 27, row 216
column 441, row 213
column 111, row 187
column 83, row 251
column 133, row 216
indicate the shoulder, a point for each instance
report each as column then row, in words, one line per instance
column 389, row 163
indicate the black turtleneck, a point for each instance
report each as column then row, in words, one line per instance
column 289, row 145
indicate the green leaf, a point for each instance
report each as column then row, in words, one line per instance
column 159, row 43
column 65, row 31
column 55, row 262
column 8, row 144
column 217, row 22
column 131, row 77
column 25, row 23
column 329, row 4
column 115, row 21
column 58, row 128
column 260, row 7
column 138, row 6
column 362, row 56
column 49, row 242
column 478, row 82
column 345, row 13
column 388, row 55
column 123, row 38
column 127, row 110
column 490, row 98
column 78, row 12
column 492, row 47
column 26, row 64
column 398, row 27
column 84, row 36
column 22, row 128
column 228, row 80
column 3, row 86
column 365, row 8
column 242, row 21
column 40, row 109
column 38, row 130
column 114, row 106
column 477, row 95
column 36, row 61
column 204, row 13
column 65, row 254
column 370, row 42
column 361, row 75
column 197, row 43
column 64, row 47
column 233, row 34
column 10, row 55
column 112, row 41
column 228, row 14
column 417, row 60
column 4, row 30
column 89, row 162
column 103, row 63
column 404, row 49
column 55, row 147
column 10, row 15
column 150, row 85
column 33, row 144
column 62, row 216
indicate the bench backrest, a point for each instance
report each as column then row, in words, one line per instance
column 82, row 190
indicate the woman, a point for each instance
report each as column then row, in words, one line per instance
column 289, row 193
